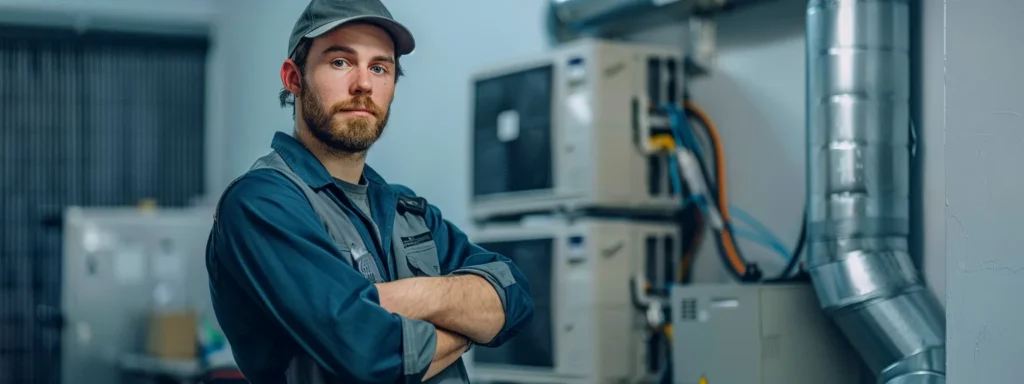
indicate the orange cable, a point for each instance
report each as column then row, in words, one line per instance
column 728, row 244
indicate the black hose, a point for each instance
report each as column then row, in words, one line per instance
column 794, row 260
column 666, row 373
column 692, row 228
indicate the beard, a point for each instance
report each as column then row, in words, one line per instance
column 351, row 135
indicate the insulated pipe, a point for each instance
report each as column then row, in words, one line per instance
column 858, row 167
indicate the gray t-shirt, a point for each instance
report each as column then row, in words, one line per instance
column 358, row 194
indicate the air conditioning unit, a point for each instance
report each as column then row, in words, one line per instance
column 569, row 130
column 585, row 327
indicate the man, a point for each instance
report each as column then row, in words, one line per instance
column 321, row 271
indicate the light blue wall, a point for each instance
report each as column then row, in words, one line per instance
column 249, row 45
column 985, row 151
column 928, row 199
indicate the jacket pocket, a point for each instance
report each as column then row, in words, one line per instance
column 423, row 261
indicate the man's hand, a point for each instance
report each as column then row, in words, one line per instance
column 465, row 304
column 450, row 346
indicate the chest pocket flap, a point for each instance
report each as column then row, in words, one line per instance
column 415, row 249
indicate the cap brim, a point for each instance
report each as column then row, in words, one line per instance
column 404, row 43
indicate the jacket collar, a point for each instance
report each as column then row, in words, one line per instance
column 308, row 167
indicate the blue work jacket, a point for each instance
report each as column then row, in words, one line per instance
column 280, row 286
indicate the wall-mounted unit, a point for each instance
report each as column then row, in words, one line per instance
column 758, row 334
column 585, row 329
column 569, row 130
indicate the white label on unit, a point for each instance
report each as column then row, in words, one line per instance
column 91, row 240
column 508, row 126
column 130, row 264
column 725, row 303
column 579, row 108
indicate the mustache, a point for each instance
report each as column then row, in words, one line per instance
column 360, row 103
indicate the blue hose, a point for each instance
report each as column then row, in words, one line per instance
column 683, row 135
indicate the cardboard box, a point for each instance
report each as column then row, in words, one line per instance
column 172, row 335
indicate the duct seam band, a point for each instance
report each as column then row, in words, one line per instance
column 860, row 276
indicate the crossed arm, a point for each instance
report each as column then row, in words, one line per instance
column 463, row 308
column 465, row 304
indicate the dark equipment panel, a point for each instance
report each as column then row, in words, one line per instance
column 86, row 119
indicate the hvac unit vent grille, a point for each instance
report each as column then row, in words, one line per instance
column 688, row 310
column 663, row 79
column 520, row 159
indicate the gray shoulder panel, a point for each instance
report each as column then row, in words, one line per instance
column 337, row 224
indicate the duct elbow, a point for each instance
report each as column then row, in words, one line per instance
column 885, row 311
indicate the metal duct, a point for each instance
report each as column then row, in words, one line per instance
column 858, row 164
column 569, row 19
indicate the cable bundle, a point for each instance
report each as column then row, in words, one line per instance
column 690, row 175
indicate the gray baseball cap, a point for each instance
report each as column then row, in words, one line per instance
column 322, row 16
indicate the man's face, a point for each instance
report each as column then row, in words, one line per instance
column 345, row 96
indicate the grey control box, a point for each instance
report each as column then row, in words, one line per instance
column 758, row 334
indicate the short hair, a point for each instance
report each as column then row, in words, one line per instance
column 300, row 57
